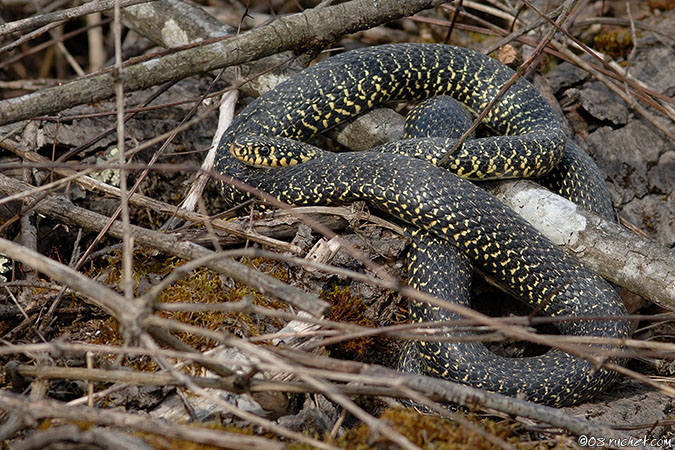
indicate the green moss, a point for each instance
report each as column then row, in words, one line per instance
column 616, row 44
column 208, row 287
column 200, row 286
column 161, row 442
column 433, row 432
column 346, row 308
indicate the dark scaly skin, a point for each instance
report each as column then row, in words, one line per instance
column 352, row 83
column 577, row 178
column 438, row 116
column 495, row 238
column 448, row 275
column 455, row 211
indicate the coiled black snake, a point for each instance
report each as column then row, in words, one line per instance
column 497, row 240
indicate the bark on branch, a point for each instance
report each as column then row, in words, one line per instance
column 319, row 25
column 624, row 258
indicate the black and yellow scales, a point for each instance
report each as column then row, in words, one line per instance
column 448, row 211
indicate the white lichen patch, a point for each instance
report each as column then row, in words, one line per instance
column 554, row 216
column 108, row 176
column 173, row 35
column 5, row 267
column 142, row 11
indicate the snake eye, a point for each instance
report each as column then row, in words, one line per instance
column 264, row 150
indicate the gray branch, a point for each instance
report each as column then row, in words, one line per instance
column 319, row 25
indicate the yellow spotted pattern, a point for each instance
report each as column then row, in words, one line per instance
column 448, row 210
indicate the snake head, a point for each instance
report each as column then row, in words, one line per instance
column 271, row 152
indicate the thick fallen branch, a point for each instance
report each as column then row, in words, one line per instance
column 319, row 25
column 175, row 23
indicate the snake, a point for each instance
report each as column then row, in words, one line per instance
column 441, row 202
column 576, row 178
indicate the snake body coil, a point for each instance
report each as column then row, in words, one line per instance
column 577, row 178
column 347, row 85
column 453, row 210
